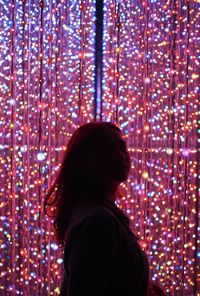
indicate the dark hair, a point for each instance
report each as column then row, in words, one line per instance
column 70, row 182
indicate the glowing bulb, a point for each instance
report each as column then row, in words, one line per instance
column 169, row 151
column 23, row 148
column 195, row 76
column 12, row 102
column 147, row 80
column 145, row 175
column 185, row 152
column 40, row 156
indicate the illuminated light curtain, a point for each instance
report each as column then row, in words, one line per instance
column 151, row 90
column 46, row 91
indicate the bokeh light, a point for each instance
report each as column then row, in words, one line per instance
column 46, row 91
column 150, row 90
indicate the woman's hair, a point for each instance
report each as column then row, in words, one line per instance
column 71, row 182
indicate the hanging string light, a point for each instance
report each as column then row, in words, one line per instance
column 150, row 90
column 151, row 60
column 46, row 90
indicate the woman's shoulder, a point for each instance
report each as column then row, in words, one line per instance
column 94, row 215
column 98, row 213
column 102, row 211
column 97, row 228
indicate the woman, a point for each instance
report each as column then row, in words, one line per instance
column 101, row 254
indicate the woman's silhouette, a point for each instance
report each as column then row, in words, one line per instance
column 101, row 254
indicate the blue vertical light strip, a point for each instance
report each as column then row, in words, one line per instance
column 98, row 60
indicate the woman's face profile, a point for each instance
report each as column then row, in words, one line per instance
column 109, row 158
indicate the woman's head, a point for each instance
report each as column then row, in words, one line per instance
column 102, row 154
column 96, row 161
